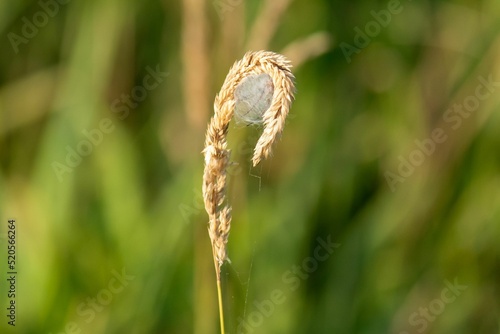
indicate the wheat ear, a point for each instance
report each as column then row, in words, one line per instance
column 216, row 153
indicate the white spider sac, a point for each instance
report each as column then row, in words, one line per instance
column 253, row 97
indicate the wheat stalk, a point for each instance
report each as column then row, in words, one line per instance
column 277, row 67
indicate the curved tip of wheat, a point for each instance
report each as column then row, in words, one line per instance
column 279, row 69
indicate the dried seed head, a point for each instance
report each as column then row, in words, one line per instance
column 259, row 89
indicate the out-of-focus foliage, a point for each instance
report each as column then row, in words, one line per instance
column 391, row 151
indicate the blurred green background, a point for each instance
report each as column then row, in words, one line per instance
column 391, row 151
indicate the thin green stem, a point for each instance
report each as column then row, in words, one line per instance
column 221, row 308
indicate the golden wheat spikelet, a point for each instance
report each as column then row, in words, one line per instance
column 281, row 84
column 259, row 89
